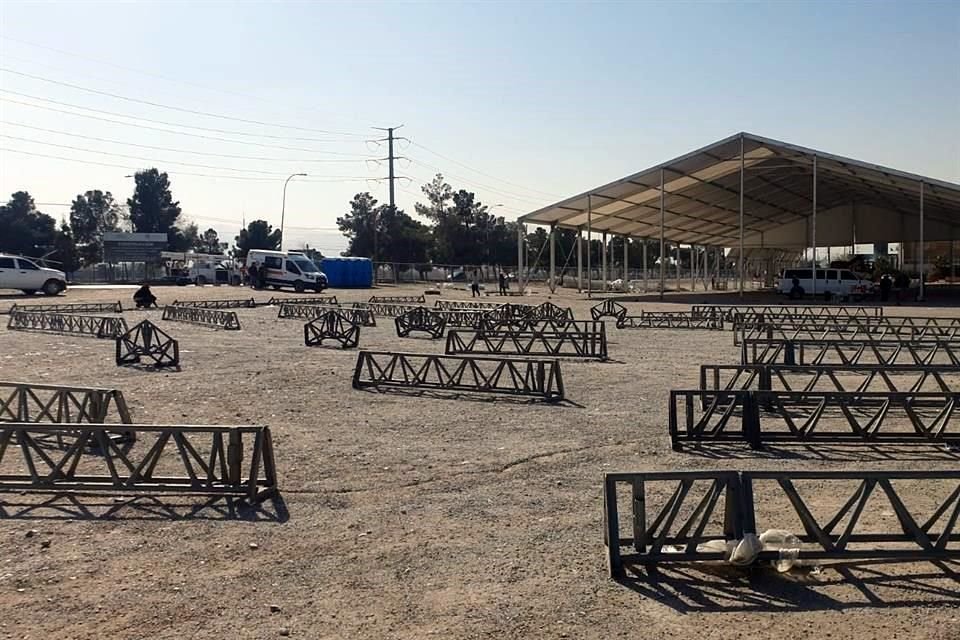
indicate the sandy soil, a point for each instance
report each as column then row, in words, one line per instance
column 409, row 517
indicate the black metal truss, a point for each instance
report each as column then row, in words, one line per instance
column 333, row 324
column 925, row 326
column 578, row 339
column 363, row 317
column 147, row 340
column 461, row 318
column 812, row 417
column 608, row 309
column 214, row 318
column 29, row 402
column 421, row 319
column 387, row 309
column 398, row 299
column 762, row 313
column 79, row 307
column 452, row 305
column 670, row 320
column 246, row 303
column 780, row 377
column 816, row 352
column 851, row 332
column 694, row 516
column 194, row 460
column 550, row 311
column 511, row 376
column 69, row 323
column 324, row 300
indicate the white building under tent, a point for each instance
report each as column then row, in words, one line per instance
column 747, row 194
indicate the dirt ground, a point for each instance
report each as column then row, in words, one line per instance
column 413, row 517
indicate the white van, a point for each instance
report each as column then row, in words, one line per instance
column 841, row 283
column 288, row 269
column 17, row 272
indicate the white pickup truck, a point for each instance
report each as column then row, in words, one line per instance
column 17, row 272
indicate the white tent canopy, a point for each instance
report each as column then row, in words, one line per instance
column 749, row 192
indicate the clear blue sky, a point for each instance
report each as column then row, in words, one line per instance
column 525, row 102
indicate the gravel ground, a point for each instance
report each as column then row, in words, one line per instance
column 409, row 517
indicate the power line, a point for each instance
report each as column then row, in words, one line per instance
column 171, row 131
column 205, row 114
column 147, row 146
column 477, row 171
column 176, row 173
column 515, row 196
column 169, row 124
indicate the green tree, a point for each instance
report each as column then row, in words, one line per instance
column 152, row 207
column 66, row 249
column 400, row 237
column 185, row 237
column 23, row 229
column 91, row 215
column 258, row 235
column 210, row 242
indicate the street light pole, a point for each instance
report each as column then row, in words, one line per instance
column 283, row 207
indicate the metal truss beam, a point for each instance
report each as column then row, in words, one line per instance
column 511, row 376
column 147, row 340
column 855, row 328
column 674, row 516
column 579, row 339
column 324, row 300
column 867, row 417
column 247, row 303
column 761, row 313
column 421, row 319
column 29, row 402
column 398, row 299
column 670, row 320
column 608, row 309
column 80, row 307
column 550, row 311
column 363, row 317
column 339, row 325
column 386, row 309
column 214, row 318
column 779, row 377
column 816, row 352
column 207, row 461
column 67, row 323
column 450, row 305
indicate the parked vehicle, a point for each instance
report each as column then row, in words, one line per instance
column 200, row 268
column 841, row 283
column 288, row 269
column 17, row 272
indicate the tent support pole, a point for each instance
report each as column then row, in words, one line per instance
column 603, row 260
column 626, row 261
column 678, row 266
column 740, row 259
column 813, row 228
column 922, row 265
column 520, row 257
column 589, row 230
column 663, row 249
column 579, row 259
column 645, row 270
column 553, row 257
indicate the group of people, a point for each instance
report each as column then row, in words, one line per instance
column 257, row 276
column 475, row 283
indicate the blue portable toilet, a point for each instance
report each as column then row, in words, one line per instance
column 348, row 272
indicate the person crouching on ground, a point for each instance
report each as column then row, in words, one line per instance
column 144, row 298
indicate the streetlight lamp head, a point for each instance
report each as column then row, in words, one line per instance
column 302, row 174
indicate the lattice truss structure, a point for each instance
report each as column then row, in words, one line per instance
column 843, row 352
column 214, row 318
column 216, row 461
column 694, row 516
column 451, row 305
column 339, row 325
column 79, row 307
column 461, row 318
column 423, row 320
column 30, row 402
column 550, row 311
column 246, row 303
column 514, row 376
column 884, row 328
column 575, row 339
column 386, row 309
column 764, row 313
column 670, row 320
column 324, row 300
column 363, row 317
column 398, row 299
column 608, row 309
column 67, row 323
column 147, row 341
column 876, row 378
column 866, row 417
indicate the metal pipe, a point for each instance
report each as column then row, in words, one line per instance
column 520, row 256
column 663, row 248
column 553, row 257
column 921, row 252
column 579, row 259
column 740, row 259
column 283, row 209
column 626, row 260
column 589, row 229
column 813, row 228
column 603, row 260
column 645, row 270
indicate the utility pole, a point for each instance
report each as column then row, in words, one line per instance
column 391, row 177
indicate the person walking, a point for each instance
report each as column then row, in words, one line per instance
column 503, row 283
column 252, row 275
column 475, row 285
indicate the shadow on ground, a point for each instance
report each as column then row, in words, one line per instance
column 76, row 507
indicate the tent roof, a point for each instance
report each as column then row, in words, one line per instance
column 702, row 199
